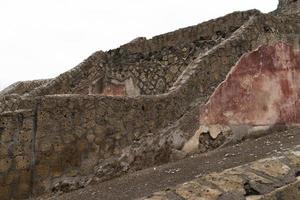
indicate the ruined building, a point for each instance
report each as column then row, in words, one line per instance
column 153, row 101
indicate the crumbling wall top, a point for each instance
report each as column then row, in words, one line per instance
column 288, row 7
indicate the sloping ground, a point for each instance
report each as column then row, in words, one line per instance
column 64, row 141
column 259, row 180
column 165, row 177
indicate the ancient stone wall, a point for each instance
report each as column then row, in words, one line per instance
column 205, row 73
column 98, row 128
column 288, row 7
column 153, row 65
column 23, row 87
column 15, row 102
column 146, row 72
column 74, row 79
column 206, row 30
column 16, row 154
column 72, row 134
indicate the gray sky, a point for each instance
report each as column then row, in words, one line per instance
column 41, row 39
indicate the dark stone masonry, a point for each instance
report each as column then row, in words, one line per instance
column 136, row 106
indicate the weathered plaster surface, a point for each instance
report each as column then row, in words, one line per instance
column 262, row 89
column 117, row 88
column 112, row 89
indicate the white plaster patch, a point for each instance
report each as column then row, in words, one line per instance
column 254, row 197
column 259, row 128
column 192, row 144
column 131, row 88
column 214, row 131
column 296, row 153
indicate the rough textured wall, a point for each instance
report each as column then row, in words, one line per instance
column 107, row 128
column 78, row 77
column 154, row 65
column 14, row 102
column 23, row 87
column 16, row 154
column 74, row 133
column 78, row 137
column 288, row 7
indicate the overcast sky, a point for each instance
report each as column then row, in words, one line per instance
column 43, row 38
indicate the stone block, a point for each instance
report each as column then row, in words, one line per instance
column 22, row 162
column 25, row 176
column 227, row 182
column 3, row 150
column 193, row 190
column 294, row 159
column 2, row 179
column 82, row 145
column 25, row 136
column 58, row 147
column 157, row 196
column 5, row 192
column 5, row 164
column 271, row 167
column 56, row 169
column 11, row 177
column 42, row 170
column 68, row 138
column 7, row 136
column 90, row 138
column 22, row 191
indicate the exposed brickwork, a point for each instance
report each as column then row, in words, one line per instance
column 16, row 154
column 23, row 87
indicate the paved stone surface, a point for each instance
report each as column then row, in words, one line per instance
column 235, row 183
